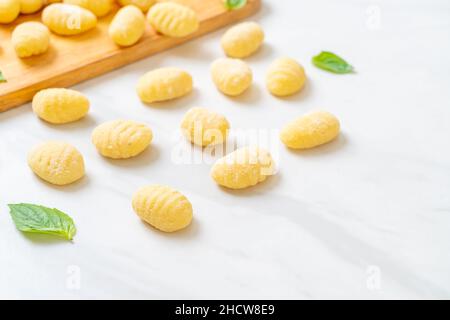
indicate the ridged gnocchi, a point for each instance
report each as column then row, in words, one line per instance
column 30, row 6
column 243, row 168
column 59, row 105
column 164, row 84
column 98, row 7
column 68, row 19
column 30, row 38
column 144, row 5
column 56, row 162
column 204, row 127
column 242, row 40
column 128, row 26
column 173, row 19
column 121, row 139
column 9, row 10
column 285, row 77
column 231, row 76
column 163, row 208
column 311, row 130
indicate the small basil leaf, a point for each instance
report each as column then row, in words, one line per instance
column 331, row 62
column 2, row 78
column 39, row 219
column 235, row 4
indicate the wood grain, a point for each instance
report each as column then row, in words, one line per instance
column 71, row 60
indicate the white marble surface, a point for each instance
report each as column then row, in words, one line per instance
column 366, row 216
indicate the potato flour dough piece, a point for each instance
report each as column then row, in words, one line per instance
column 67, row 19
column 285, row 77
column 164, row 84
column 243, row 168
column 311, row 130
column 9, row 10
column 128, row 26
column 121, row 139
column 204, row 127
column 242, row 40
column 144, row 5
column 59, row 105
column 30, row 39
column 31, row 6
column 162, row 207
column 231, row 76
column 98, row 7
column 173, row 19
column 56, row 162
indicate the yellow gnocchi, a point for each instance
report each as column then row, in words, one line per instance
column 231, row 76
column 162, row 207
column 98, row 7
column 242, row 40
column 311, row 130
column 285, row 77
column 243, row 168
column 164, row 84
column 144, row 5
column 204, row 127
column 30, row 38
column 121, row 139
column 56, row 162
column 30, row 6
column 67, row 19
column 173, row 19
column 9, row 10
column 128, row 26
column 58, row 105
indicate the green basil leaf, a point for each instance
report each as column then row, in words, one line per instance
column 330, row 62
column 235, row 4
column 2, row 78
column 39, row 219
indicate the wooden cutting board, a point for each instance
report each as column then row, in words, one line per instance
column 71, row 60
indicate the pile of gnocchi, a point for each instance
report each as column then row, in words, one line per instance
column 162, row 207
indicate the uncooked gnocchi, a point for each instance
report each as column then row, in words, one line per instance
column 128, row 26
column 310, row 130
column 243, row 168
column 231, row 76
column 204, row 127
column 285, row 77
column 242, row 40
column 164, row 84
column 60, row 105
column 56, row 162
column 30, row 6
column 173, row 19
column 162, row 207
column 121, row 139
column 144, row 5
column 9, row 10
column 68, row 19
column 30, row 38
column 98, row 7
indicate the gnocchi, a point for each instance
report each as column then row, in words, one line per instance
column 56, row 162
column 164, row 84
column 203, row 127
column 30, row 38
column 243, row 168
column 121, row 139
column 58, row 105
column 128, row 26
column 173, row 19
column 30, row 6
column 67, row 19
column 98, row 7
column 162, row 207
column 285, row 77
column 231, row 76
column 144, row 5
column 9, row 10
column 242, row 40
column 310, row 130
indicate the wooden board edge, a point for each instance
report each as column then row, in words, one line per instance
column 109, row 63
